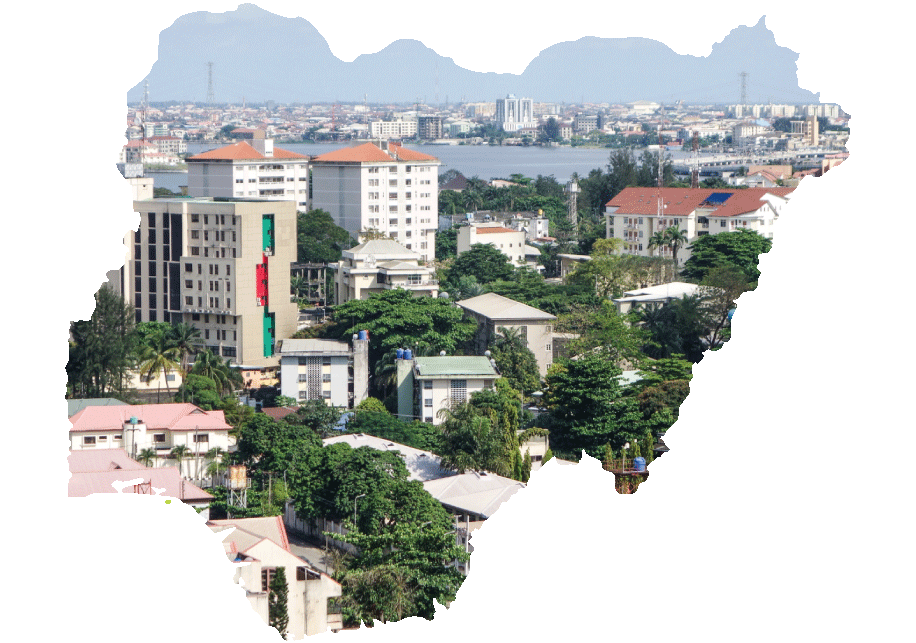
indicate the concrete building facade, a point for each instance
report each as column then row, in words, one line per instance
column 632, row 215
column 221, row 265
column 384, row 187
column 325, row 369
column 513, row 114
column 426, row 385
column 508, row 241
column 253, row 169
column 382, row 264
column 492, row 312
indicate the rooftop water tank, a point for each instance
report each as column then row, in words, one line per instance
column 399, row 354
column 408, row 354
column 364, row 334
column 639, row 464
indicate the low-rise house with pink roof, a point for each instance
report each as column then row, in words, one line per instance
column 261, row 546
column 107, row 470
column 159, row 427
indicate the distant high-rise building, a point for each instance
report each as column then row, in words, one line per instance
column 513, row 114
column 429, row 127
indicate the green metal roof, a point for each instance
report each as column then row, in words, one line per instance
column 454, row 366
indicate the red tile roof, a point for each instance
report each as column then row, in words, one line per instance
column 86, row 483
column 174, row 417
column 243, row 151
column 370, row 153
column 494, row 230
column 278, row 413
column 682, row 201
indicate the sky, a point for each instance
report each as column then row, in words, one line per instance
column 652, row 72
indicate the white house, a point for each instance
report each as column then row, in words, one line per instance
column 654, row 296
column 427, row 385
column 262, row 544
column 508, row 241
column 382, row 264
column 160, row 427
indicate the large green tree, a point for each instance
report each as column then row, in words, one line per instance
column 483, row 262
column 397, row 319
column 159, row 356
column 319, row 239
column 269, row 446
column 102, row 348
column 741, row 248
column 515, row 361
column 587, row 407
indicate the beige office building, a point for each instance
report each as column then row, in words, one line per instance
column 221, row 265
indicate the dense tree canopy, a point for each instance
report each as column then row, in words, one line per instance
column 483, row 262
column 741, row 248
column 587, row 407
column 515, row 361
column 319, row 239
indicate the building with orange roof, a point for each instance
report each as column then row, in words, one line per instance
column 251, row 168
column 508, row 241
column 381, row 186
column 633, row 215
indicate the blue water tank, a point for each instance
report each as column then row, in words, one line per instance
column 408, row 354
column 639, row 464
column 399, row 354
column 731, row 314
column 364, row 334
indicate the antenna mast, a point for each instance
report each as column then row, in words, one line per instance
column 210, row 96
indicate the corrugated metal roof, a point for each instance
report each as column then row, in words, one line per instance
column 271, row 528
column 175, row 417
column 421, row 465
column 477, row 493
column 316, row 346
column 454, row 365
column 497, row 307
column 383, row 248
column 86, row 460
column 75, row 406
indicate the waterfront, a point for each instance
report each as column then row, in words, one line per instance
column 483, row 161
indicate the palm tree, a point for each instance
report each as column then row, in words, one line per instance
column 159, row 356
column 147, row 457
column 180, row 452
column 215, row 455
column 676, row 239
column 187, row 340
column 657, row 240
column 233, row 376
column 208, row 364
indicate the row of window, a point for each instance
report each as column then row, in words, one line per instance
column 189, row 284
column 218, row 253
column 215, row 219
column 158, row 438
column 218, row 235
column 212, row 302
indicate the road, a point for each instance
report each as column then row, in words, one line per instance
column 310, row 551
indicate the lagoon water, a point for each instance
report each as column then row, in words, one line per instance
column 483, row 161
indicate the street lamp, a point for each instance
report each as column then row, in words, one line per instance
column 355, row 500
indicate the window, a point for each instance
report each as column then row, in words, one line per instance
column 202, row 437
column 326, row 395
column 325, row 377
column 428, row 403
column 195, row 251
column 267, row 575
column 548, row 348
column 195, row 234
column 89, row 440
column 188, row 301
column 195, row 218
column 326, row 360
column 188, row 283
column 459, row 391
column 722, row 223
column 428, row 384
column 159, row 438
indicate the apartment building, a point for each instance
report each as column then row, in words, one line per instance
column 325, row 369
column 633, row 215
column 398, row 128
column 427, row 385
column 382, row 264
column 429, row 127
column 250, row 169
column 221, row 265
column 383, row 187
column 508, row 241
column 169, row 144
column 492, row 312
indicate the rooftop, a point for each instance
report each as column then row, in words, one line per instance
column 474, row 492
column 85, row 483
column 421, row 465
column 497, row 307
column 174, row 417
column 454, row 365
column 680, row 202
column 314, row 346
column 371, row 153
column 75, row 406
column 243, row 151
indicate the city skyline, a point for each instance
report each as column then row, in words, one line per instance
column 213, row 57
